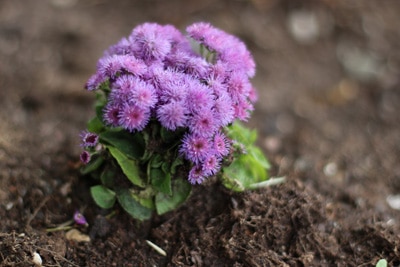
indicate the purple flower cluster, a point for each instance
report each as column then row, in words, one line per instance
column 156, row 74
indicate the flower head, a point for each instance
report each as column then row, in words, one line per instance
column 150, row 42
column 195, row 148
column 85, row 157
column 143, row 95
column 172, row 115
column 220, row 145
column 89, row 139
column 199, row 97
column 111, row 114
column 133, row 118
column 203, row 123
column 196, row 175
column 211, row 165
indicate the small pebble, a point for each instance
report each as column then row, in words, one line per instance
column 330, row 169
column 393, row 201
column 36, row 259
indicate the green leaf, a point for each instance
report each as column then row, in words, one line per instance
column 258, row 156
column 246, row 170
column 249, row 168
column 95, row 125
column 156, row 161
column 145, row 197
column 107, row 177
column 241, row 134
column 132, row 145
column 180, row 192
column 132, row 206
column 177, row 162
column 129, row 167
column 104, row 197
column 381, row 263
column 93, row 165
column 161, row 180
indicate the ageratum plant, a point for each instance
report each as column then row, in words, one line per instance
column 168, row 108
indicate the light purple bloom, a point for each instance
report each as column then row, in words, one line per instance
column 85, row 157
column 173, row 86
column 89, row 139
column 149, row 42
column 224, row 111
column 203, row 123
column 172, row 115
column 188, row 63
column 196, row 175
column 239, row 86
column 253, row 96
column 199, row 97
column 111, row 114
column 94, row 82
column 143, row 95
column 123, row 47
column 195, row 148
column 133, row 118
column 110, row 66
column 221, row 145
column 132, row 65
column 242, row 110
column 211, row 165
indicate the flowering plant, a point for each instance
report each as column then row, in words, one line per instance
column 167, row 114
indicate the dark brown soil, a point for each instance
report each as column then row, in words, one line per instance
column 328, row 120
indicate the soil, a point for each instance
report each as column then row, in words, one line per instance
column 327, row 118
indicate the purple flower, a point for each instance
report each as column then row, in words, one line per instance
column 94, row 81
column 133, row 118
column 123, row 47
column 220, row 145
column 199, row 97
column 172, row 115
column 188, row 63
column 196, row 175
column 110, row 66
column 242, row 110
column 132, row 65
column 89, row 139
column 224, row 111
column 239, row 86
column 204, row 33
column 149, row 42
column 85, row 157
column 203, row 123
column 173, row 86
column 79, row 218
column 111, row 114
column 253, row 96
column 195, row 148
column 211, row 165
column 228, row 48
column 143, row 95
